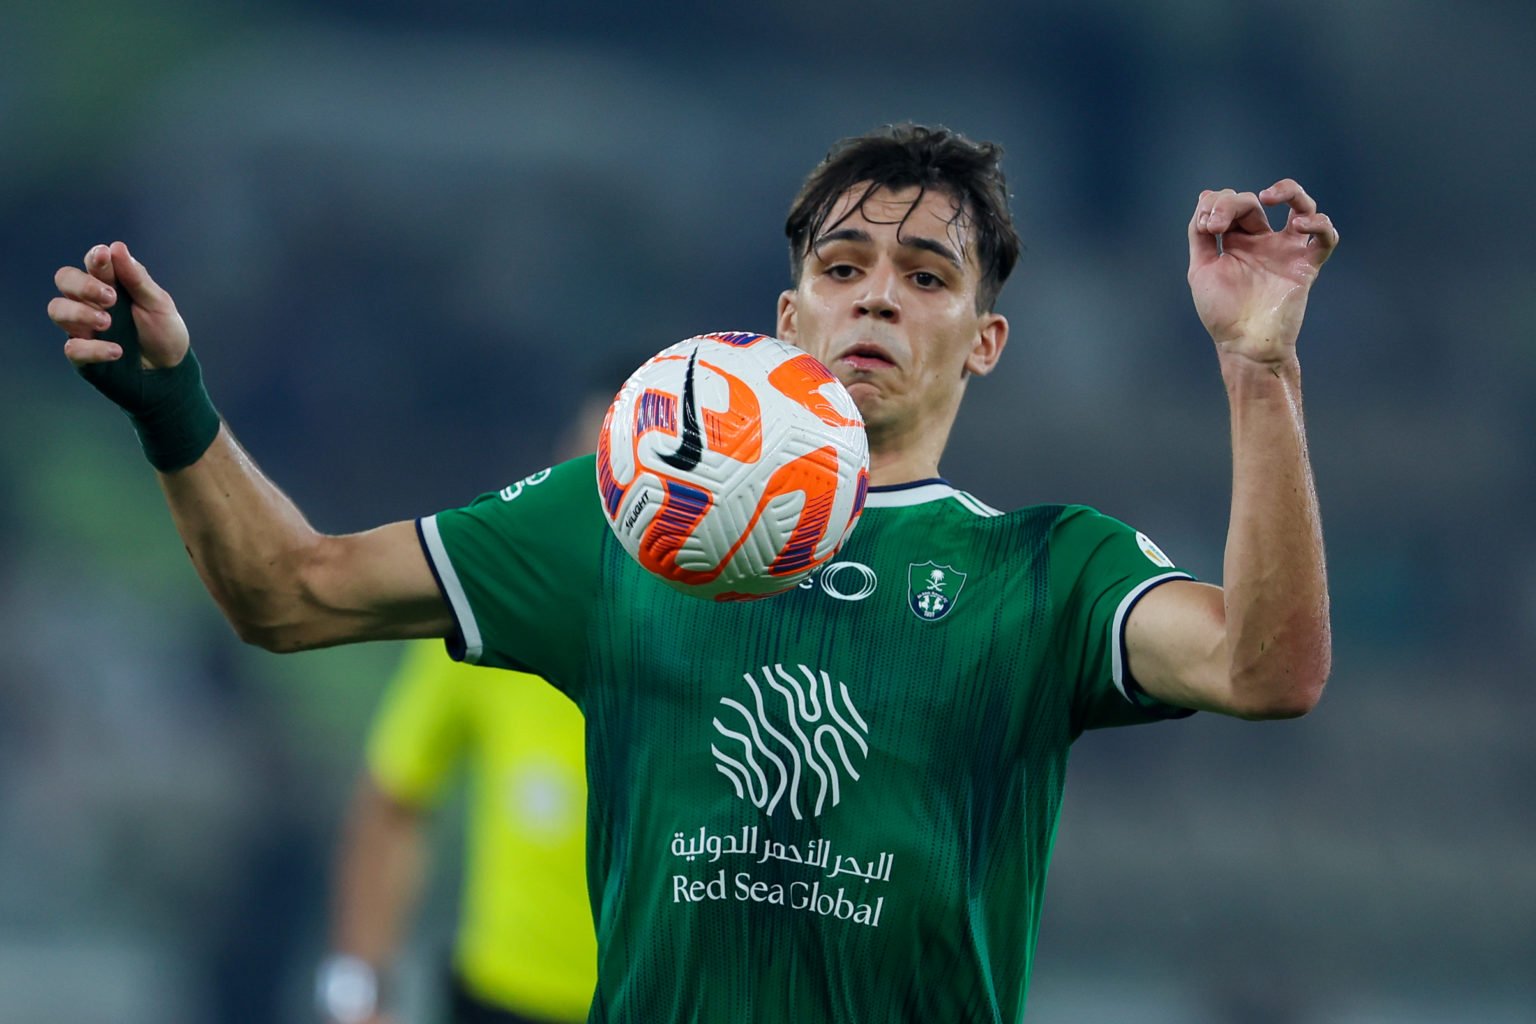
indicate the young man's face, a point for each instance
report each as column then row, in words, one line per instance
column 890, row 307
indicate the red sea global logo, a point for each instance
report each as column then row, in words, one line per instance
column 793, row 742
column 932, row 589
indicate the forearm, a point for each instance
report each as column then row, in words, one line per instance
column 378, row 876
column 378, row 873
column 1278, row 645
column 282, row 584
column 247, row 539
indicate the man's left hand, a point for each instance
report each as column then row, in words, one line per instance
column 1249, row 281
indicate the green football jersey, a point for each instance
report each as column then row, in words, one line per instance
column 833, row 805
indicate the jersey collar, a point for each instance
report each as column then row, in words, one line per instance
column 917, row 492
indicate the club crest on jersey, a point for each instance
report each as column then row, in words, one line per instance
column 932, row 589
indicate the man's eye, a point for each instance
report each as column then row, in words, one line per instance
column 923, row 279
column 841, row 271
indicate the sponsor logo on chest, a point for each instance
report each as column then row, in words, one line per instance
column 793, row 741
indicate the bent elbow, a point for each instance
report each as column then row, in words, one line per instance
column 1284, row 679
column 1291, row 696
column 281, row 625
column 268, row 637
column 1278, row 709
column 250, row 633
column 281, row 612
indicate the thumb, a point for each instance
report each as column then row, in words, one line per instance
column 133, row 278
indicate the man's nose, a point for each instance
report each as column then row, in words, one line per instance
column 879, row 298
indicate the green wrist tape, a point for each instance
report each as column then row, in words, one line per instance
column 170, row 409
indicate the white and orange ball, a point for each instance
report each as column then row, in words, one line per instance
column 732, row 465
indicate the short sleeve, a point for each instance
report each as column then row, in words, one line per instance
column 519, row 569
column 1100, row 568
column 418, row 731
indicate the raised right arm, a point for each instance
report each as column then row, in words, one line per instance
column 282, row 584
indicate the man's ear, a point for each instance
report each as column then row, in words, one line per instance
column 991, row 336
column 785, row 327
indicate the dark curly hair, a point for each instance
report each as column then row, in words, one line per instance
column 902, row 156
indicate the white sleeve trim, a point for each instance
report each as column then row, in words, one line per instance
column 1117, row 627
column 453, row 590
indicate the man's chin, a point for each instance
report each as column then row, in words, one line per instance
column 867, row 396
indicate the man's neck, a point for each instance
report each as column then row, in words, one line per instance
column 908, row 455
column 889, row 469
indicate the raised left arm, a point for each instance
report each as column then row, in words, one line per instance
column 1260, row 645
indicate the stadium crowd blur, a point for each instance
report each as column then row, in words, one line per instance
column 396, row 234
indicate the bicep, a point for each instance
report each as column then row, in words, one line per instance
column 374, row 585
column 1176, row 646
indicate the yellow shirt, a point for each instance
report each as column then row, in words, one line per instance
column 525, row 939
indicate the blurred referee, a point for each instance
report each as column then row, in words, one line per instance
column 524, row 952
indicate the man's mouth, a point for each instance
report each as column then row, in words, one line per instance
column 866, row 357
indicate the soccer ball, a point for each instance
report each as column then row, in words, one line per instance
column 732, row 465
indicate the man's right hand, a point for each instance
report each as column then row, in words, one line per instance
column 85, row 295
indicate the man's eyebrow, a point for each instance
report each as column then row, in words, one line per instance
column 842, row 235
column 934, row 246
column 915, row 241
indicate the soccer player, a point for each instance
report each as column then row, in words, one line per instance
column 524, row 951
column 836, row 805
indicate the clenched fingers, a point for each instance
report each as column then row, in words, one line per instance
column 85, row 294
column 1303, row 217
column 98, row 261
column 1320, row 232
column 132, row 277
column 84, row 351
column 1216, row 213
column 75, row 317
column 80, row 307
column 75, row 284
column 1228, row 210
column 1289, row 192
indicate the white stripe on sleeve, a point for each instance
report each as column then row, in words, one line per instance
column 1117, row 627
column 453, row 590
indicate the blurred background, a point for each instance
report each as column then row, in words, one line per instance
column 405, row 234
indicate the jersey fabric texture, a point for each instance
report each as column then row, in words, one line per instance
column 833, row 805
column 525, row 940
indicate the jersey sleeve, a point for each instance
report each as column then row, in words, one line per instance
column 519, row 569
column 1100, row 568
column 417, row 734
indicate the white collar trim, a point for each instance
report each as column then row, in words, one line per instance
column 922, row 492
column 917, row 494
